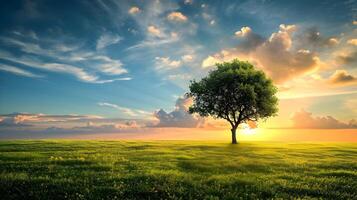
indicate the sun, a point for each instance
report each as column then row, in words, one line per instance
column 246, row 130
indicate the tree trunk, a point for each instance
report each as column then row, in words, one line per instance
column 234, row 138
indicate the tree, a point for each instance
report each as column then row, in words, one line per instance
column 236, row 92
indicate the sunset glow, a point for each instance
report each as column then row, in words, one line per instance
column 178, row 99
column 120, row 69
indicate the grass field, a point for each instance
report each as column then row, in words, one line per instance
column 61, row 169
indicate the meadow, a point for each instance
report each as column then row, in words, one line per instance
column 78, row 169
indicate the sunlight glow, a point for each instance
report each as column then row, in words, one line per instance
column 247, row 130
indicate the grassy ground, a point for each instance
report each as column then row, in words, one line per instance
column 57, row 169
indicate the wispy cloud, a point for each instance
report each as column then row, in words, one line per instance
column 187, row 58
column 55, row 67
column 157, row 29
column 67, row 59
column 153, row 43
column 166, row 63
column 128, row 111
column 78, row 72
column 109, row 66
column 314, row 94
column 108, row 39
column 179, row 76
column 18, row 71
column 33, row 124
column 30, row 118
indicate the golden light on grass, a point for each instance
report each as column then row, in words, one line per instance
column 244, row 135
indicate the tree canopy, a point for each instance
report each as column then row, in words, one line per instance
column 234, row 91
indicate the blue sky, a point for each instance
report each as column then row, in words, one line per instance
column 127, row 59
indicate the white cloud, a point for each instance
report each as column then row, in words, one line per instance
column 127, row 111
column 166, row 63
column 177, row 17
column 64, row 68
column 156, row 42
column 68, row 58
column 159, row 31
column 103, row 63
column 112, row 80
column 79, row 73
column 187, row 58
column 179, row 76
column 110, row 66
column 28, row 47
column 18, row 71
column 210, row 61
column 65, row 48
column 179, row 117
column 113, row 68
column 209, row 17
column 108, row 39
column 59, row 67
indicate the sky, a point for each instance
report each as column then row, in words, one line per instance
column 121, row 68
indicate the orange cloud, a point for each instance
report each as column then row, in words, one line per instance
column 153, row 30
column 244, row 31
column 303, row 119
column 177, row 16
column 134, row 10
column 341, row 77
column 274, row 55
column 352, row 42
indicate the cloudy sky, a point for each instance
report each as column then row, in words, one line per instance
column 107, row 66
